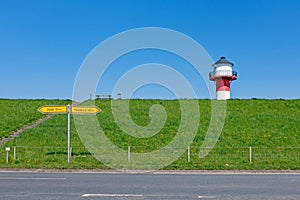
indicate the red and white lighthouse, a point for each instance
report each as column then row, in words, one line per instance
column 223, row 75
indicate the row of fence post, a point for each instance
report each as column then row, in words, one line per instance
column 7, row 149
column 189, row 154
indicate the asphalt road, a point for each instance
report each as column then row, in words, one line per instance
column 89, row 186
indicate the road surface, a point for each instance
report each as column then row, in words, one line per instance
column 100, row 186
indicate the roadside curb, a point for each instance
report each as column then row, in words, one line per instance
column 224, row 172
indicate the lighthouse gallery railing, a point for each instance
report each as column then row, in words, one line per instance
column 223, row 73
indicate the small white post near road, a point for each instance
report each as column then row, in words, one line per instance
column 189, row 153
column 69, row 133
column 62, row 109
column 250, row 154
column 7, row 149
column 15, row 152
column 128, row 154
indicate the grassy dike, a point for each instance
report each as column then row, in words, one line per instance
column 270, row 127
column 15, row 113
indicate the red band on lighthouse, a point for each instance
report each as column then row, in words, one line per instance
column 223, row 84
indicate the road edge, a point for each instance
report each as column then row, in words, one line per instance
column 124, row 171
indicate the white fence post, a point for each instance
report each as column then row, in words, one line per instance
column 189, row 153
column 71, row 150
column 128, row 154
column 15, row 152
column 250, row 154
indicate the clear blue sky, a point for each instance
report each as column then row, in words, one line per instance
column 43, row 43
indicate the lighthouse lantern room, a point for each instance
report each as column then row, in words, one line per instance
column 223, row 75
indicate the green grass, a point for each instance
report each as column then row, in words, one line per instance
column 14, row 114
column 271, row 127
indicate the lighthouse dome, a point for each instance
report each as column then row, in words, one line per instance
column 222, row 61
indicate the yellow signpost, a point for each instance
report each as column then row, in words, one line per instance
column 85, row 110
column 64, row 109
column 52, row 109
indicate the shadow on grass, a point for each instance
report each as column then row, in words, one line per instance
column 66, row 153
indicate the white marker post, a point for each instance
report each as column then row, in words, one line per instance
column 128, row 154
column 69, row 133
column 15, row 152
column 250, row 154
column 7, row 149
column 189, row 153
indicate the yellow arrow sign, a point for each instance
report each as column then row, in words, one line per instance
column 85, row 110
column 53, row 109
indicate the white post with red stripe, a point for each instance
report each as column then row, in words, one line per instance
column 223, row 75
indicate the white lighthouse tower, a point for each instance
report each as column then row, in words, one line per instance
column 223, row 75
